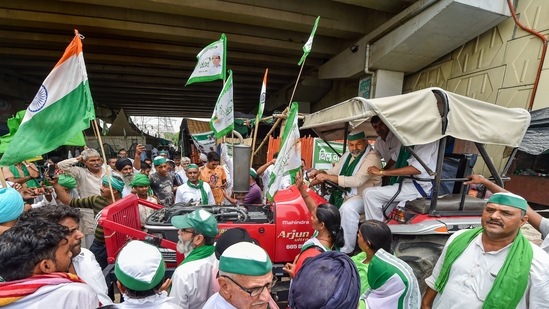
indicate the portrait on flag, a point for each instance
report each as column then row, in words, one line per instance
column 210, row 64
column 222, row 121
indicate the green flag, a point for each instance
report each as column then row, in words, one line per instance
column 60, row 111
column 211, row 62
column 222, row 121
column 309, row 44
column 289, row 156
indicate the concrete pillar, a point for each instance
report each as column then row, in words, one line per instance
column 387, row 83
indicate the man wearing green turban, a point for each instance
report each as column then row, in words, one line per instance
column 141, row 185
column 493, row 266
column 162, row 182
column 194, row 192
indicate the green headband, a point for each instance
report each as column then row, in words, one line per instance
column 253, row 173
column 159, row 160
column 245, row 258
column 353, row 136
column 509, row 199
column 191, row 166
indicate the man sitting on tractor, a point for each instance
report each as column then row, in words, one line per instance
column 405, row 165
column 351, row 173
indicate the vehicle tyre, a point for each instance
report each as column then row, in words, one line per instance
column 420, row 252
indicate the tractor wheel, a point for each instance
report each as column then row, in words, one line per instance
column 420, row 252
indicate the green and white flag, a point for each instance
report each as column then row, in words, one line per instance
column 222, row 121
column 211, row 62
column 262, row 96
column 60, row 111
column 289, row 156
column 309, row 44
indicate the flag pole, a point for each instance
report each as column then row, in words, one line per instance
column 283, row 112
column 96, row 129
column 254, row 139
column 3, row 178
column 262, row 99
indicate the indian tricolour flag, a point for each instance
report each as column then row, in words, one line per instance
column 289, row 156
column 262, row 96
column 62, row 108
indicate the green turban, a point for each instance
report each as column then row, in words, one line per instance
column 116, row 182
column 67, row 181
column 140, row 180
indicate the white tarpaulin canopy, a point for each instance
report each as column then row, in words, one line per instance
column 414, row 118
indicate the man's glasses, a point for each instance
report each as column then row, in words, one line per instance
column 255, row 291
column 187, row 231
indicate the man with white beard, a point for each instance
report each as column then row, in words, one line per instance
column 192, row 281
column 124, row 168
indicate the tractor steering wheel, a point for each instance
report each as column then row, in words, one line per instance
column 328, row 186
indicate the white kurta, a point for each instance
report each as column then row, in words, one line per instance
column 192, row 282
column 217, row 302
column 89, row 270
column 157, row 301
column 375, row 198
column 188, row 195
column 68, row 295
column 544, row 229
column 473, row 274
column 387, row 149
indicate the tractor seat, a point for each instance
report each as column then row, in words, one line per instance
column 448, row 202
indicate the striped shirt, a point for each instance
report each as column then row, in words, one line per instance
column 96, row 203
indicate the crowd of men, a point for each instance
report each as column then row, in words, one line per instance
column 46, row 233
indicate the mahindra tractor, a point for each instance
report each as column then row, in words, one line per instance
column 420, row 227
column 280, row 228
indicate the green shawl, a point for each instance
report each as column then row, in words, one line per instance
column 336, row 198
column 512, row 279
column 402, row 161
column 32, row 183
column 200, row 186
column 199, row 253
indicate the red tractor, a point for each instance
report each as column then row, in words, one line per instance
column 280, row 228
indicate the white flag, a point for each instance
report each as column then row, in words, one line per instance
column 309, row 44
column 211, row 62
column 222, row 121
column 289, row 156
